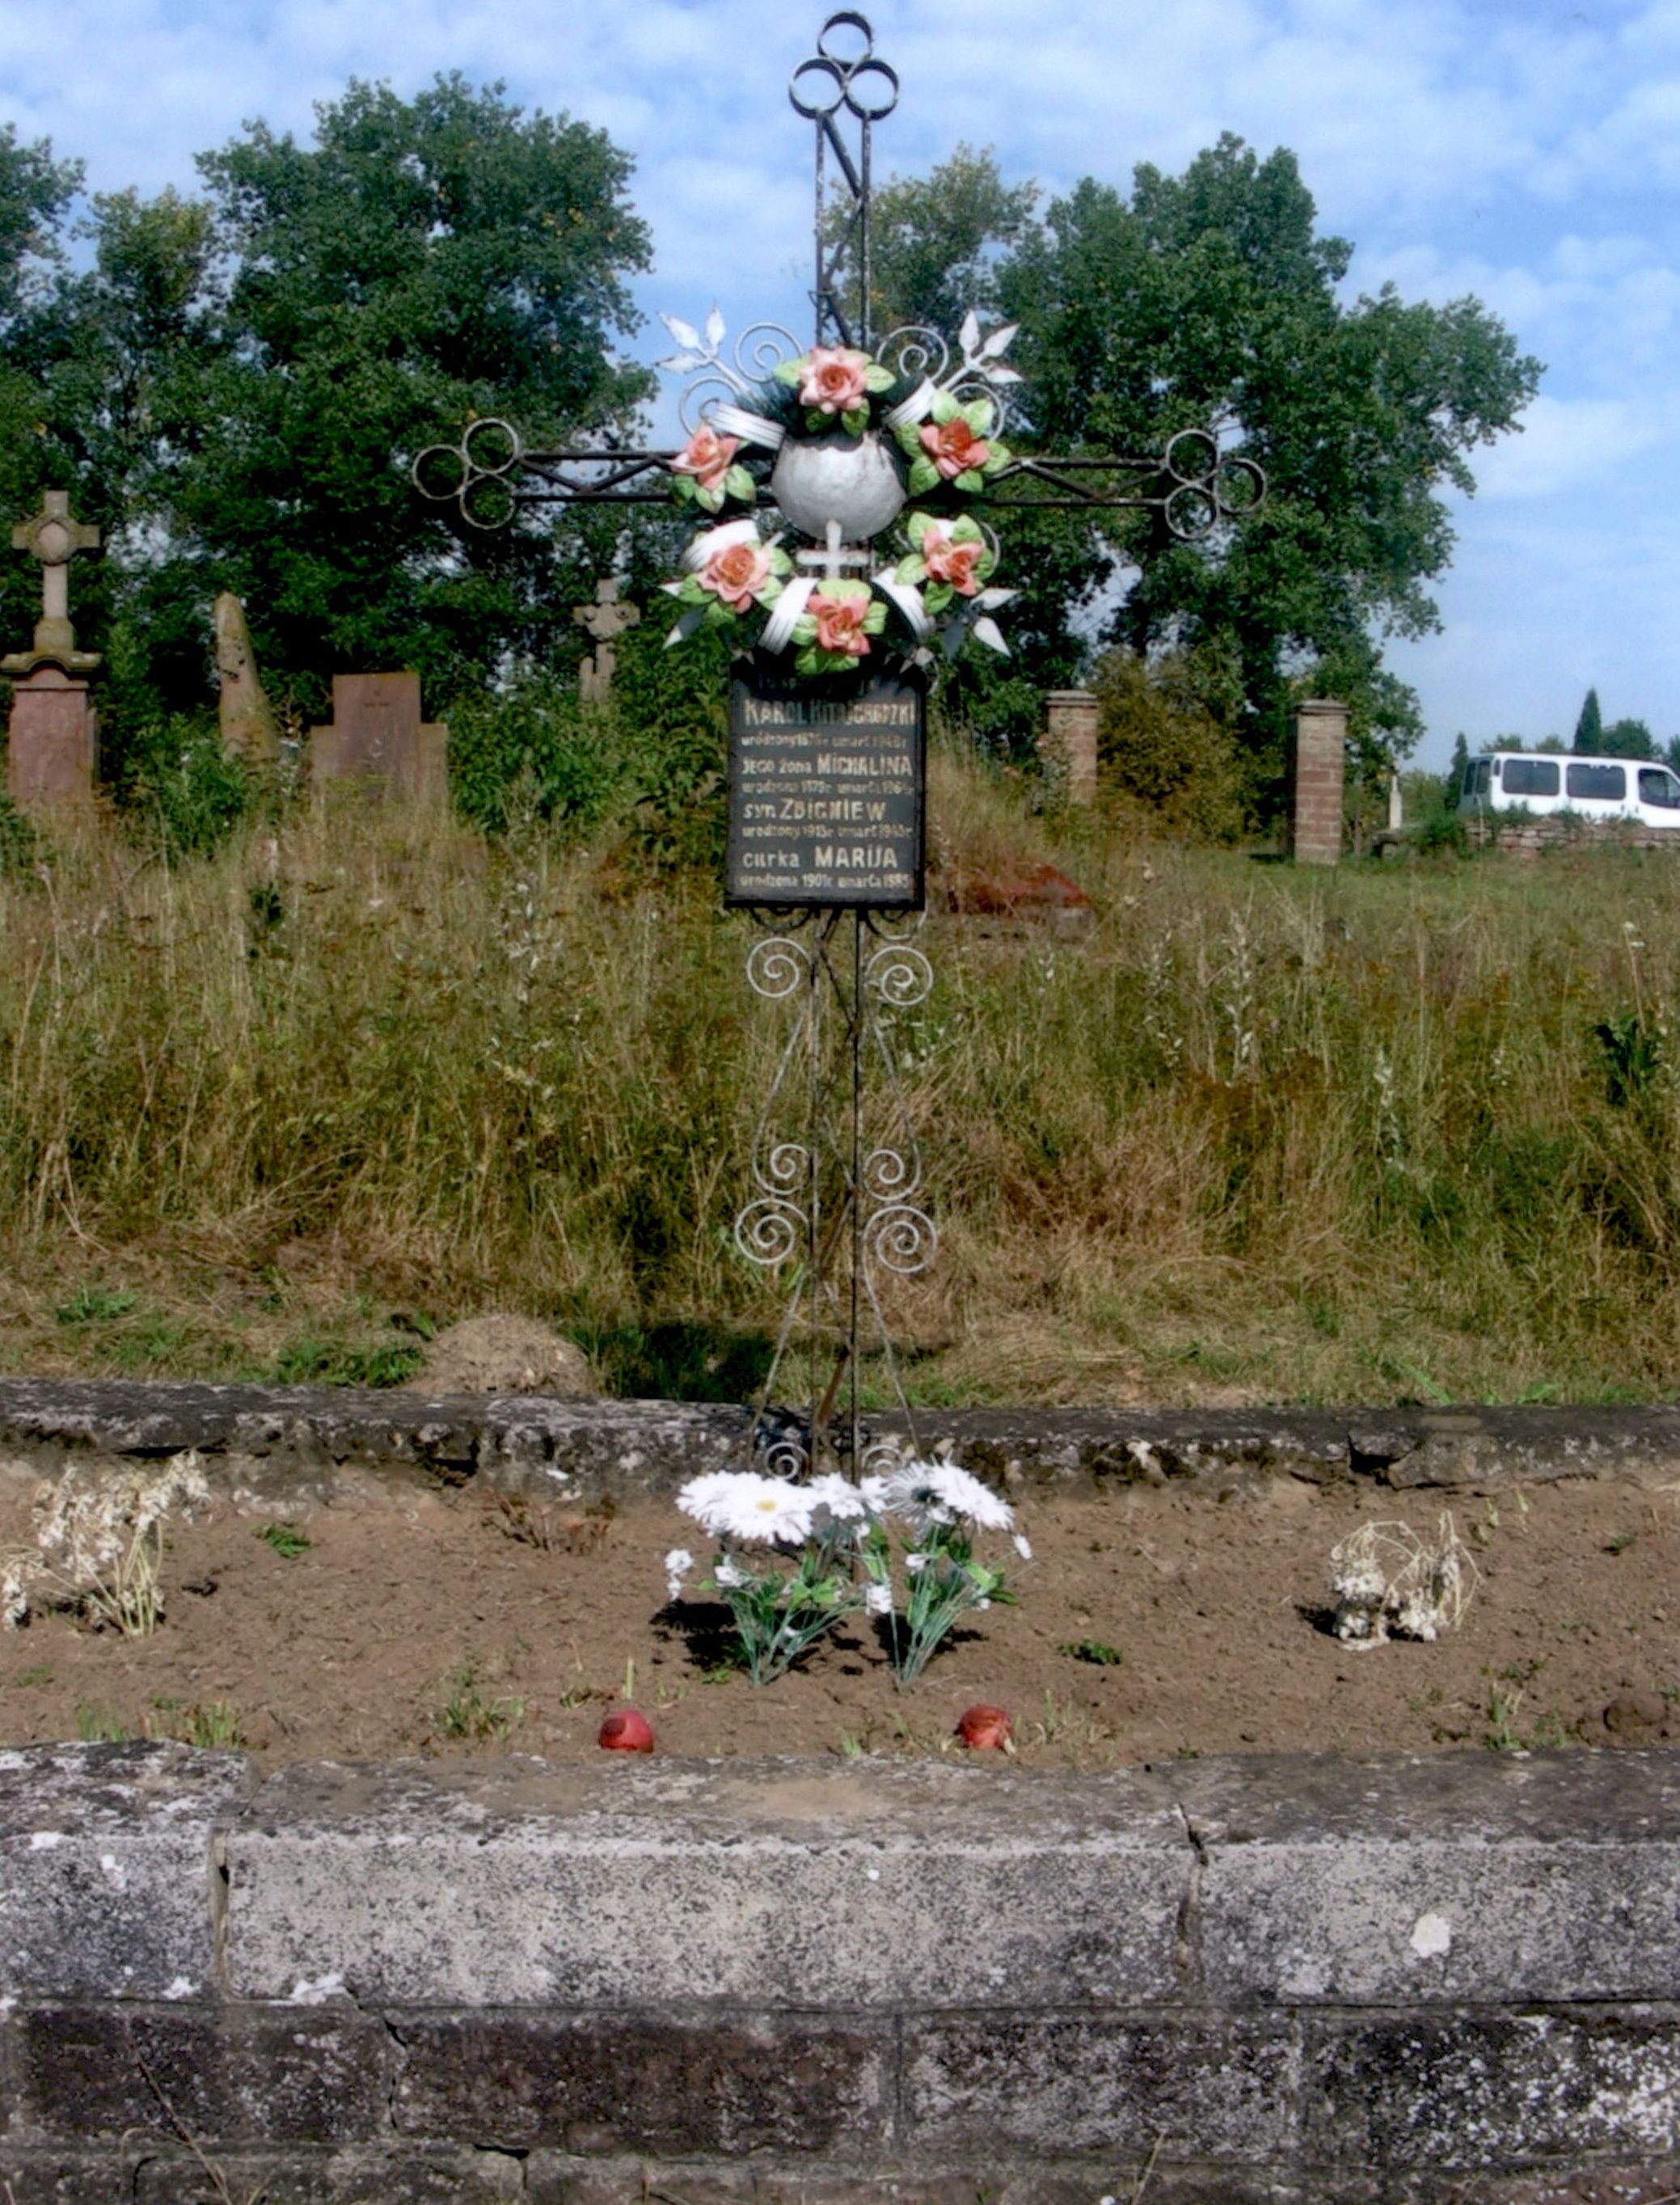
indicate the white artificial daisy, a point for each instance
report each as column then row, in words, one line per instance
column 728, row 1576
column 678, row 1564
column 836, row 1500
column 940, row 1493
column 878, row 1599
column 701, row 1496
column 915, row 1564
column 743, row 1505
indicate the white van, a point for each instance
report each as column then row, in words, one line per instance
column 1587, row 788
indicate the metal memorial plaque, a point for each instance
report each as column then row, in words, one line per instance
column 827, row 794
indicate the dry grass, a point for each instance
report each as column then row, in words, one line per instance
column 1263, row 1135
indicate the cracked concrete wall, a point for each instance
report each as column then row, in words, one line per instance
column 1431, row 1977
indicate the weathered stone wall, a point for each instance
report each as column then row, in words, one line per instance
column 283, row 1444
column 1433, row 1978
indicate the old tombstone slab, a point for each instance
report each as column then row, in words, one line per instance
column 377, row 738
column 249, row 729
column 605, row 620
column 53, row 733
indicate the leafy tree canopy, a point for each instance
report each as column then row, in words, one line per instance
column 237, row 387
column 1211, row 298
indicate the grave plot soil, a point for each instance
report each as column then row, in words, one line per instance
column 451, row 1623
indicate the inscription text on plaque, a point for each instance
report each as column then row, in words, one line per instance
column 826, row 795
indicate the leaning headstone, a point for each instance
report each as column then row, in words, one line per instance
column 1067, row 744
column 53, row 734
column 1315, row 799
column 606, row 620
column 377, row 737
column 249, row 729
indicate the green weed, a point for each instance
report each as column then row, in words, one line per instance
column 1093, row 1650
column 286, row 1539
column 97, row 1725
column 466, row 1712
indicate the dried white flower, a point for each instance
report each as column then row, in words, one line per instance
column 878, row 1599
column 1023, row 1546
column 101, row 1544
column 727, row 1577
column 915, row 1563
column 1387, row 1582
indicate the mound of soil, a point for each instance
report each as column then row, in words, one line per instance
column 1151, row 1624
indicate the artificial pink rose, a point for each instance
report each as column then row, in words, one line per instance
column 839, row 624
column 955, row 563
column 736, row 574
column 833, row 381
column 706, row 457
column 627, row 1732
column 985, row 1729
column 953, row 448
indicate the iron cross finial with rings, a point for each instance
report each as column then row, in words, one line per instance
column 829, row 80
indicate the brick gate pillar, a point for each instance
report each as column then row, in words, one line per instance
column 1315, row 794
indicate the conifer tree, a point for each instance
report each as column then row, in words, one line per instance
column 1589, row 728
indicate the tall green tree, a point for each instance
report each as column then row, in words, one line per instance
column 423, row 263
column 1211, row 298
column 1590, row 726
column 1629, row 739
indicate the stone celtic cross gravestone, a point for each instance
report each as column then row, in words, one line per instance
column 606, row 620
column 53, row 735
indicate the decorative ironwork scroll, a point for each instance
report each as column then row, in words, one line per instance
column 839, row 439
column 840, row 1197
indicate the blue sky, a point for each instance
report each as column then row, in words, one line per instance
column 1528, row 152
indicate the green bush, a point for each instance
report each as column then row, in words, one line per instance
column 1164, row 754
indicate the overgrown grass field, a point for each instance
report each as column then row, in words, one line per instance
column 1381, row 1134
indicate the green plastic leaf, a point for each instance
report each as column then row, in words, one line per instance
column 923, row 476
column 874, row 620
column 946, row 407
column 917, row 526
column 738, row 483
column 999, row 457
column 856, row 421
column 978, row 415
column 909, row 442
column 877, row 377
column 910, row 569
column 971, row 481
column 790, row 371
column 684, row 489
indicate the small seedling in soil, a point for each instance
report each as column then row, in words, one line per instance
column 287, row 1541
column 466, row 1712
column 1621, row 1542
column 95, row 1305
column 41, row 1674
column 1101, row 1656
column 216, row 1725
column 97, row 1726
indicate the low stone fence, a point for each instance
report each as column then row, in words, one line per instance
column 287, row 1444
column 1445, row 1977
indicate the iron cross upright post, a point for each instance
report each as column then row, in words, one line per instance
column 848, row 439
